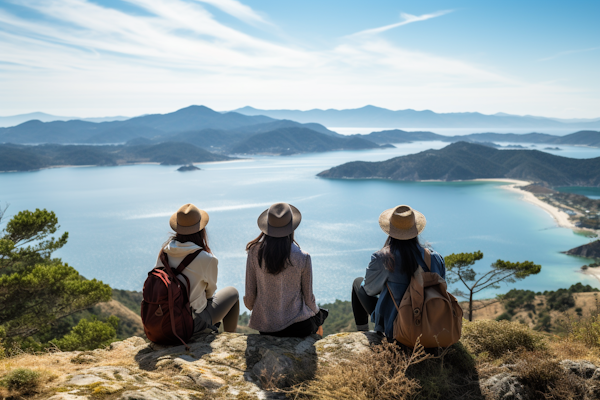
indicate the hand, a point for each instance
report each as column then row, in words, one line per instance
column 320, row 331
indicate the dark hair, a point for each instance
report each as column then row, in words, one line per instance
column 274, row 252
column 408, row 250
column 200, row 238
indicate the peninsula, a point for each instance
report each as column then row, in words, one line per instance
column 467, row 161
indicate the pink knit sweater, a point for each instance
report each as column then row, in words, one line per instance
column 278, row 301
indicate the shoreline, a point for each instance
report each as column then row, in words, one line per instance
column 560, row 217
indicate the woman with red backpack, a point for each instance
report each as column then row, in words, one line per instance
column 182, row 299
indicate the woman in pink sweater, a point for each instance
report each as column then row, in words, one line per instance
column 279, row 278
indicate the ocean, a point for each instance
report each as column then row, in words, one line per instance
column 117, row 217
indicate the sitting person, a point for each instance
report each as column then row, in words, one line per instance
column 279, row 278
column 189, row 224
column 393, row 265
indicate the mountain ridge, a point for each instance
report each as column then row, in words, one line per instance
column 467, row 161
column 369, row 116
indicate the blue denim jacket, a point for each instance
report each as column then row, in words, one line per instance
column 375, row 281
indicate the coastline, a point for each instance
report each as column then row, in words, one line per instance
column 560, row 217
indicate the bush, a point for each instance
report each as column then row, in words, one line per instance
column 89, row 335
column 586, row 330
column 496, row 338
column 21, row 378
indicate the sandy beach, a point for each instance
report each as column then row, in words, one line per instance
column 561, row 217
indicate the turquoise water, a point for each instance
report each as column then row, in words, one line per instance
column 117, row 217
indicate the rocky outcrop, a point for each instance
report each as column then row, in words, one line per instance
column 223, row 366
column 590, row 250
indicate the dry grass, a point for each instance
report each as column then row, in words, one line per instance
column 376, row 374
column 496, row 338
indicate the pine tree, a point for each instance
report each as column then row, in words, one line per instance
column 36, row 290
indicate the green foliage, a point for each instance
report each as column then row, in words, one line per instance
column 340, row 319
column 562, row 299
column 89, row 335
column 244, row 319
column 130, row 299
column 21, row 378
column 516, row 299
column 35, row 290
column 460, row 269
column 496, row 338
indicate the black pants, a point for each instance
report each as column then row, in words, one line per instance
column 362, row 305
column 302, row 328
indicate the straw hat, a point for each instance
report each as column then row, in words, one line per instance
column 402, row 222
column 279, row 220
column 188, row 219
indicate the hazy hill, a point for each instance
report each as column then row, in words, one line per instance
column 298, row 140
column 369, row 116
column 14, row 120
column 192, row 118
column 28, row 158
column 584, row 138
column 463, row 161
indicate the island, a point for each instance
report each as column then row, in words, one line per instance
column 186, row 168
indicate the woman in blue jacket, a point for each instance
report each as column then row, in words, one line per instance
column 393, row 265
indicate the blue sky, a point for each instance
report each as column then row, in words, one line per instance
column 128, row 57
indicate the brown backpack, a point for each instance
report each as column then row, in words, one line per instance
column 427, row 311
column 166, row 311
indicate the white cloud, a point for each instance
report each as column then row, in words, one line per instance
column 565, row 53
column 406, row 19
column 83, row 58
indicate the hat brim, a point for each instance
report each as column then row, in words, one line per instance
column 402, row 234
column 189, row 230
column 282, row 231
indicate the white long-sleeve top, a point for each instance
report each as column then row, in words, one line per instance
column 202, row 271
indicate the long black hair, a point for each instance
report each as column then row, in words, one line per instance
column 200, row 238
column 408, row 250
column 274, row 252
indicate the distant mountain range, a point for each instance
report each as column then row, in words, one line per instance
column 582, row 138
column 371, row 116
column 14, row 120
column 465, row 161
column 29, row 158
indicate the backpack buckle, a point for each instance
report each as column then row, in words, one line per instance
column 416, row 311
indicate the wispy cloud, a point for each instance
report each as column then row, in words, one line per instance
column 566, row 53
column 406, row 19
column 77, row 56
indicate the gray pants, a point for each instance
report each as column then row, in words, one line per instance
column 223, row 306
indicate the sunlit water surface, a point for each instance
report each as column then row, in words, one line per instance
column 117, row 217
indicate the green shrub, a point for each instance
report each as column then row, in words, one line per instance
column 499, row 337
column 89, row 335
column 21, row 378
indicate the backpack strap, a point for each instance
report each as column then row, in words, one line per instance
column 392, row 296
column 424, row 262
column 182, row 265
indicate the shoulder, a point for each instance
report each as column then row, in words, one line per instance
column 205, row 258
column 436, row 258
column 297, row 255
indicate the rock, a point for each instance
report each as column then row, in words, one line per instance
column 581, row 368
column 504, row 386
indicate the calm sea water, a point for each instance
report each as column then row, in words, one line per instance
column 117, row 217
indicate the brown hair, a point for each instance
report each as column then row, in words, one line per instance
column 274, row 252
column 408, row 250
column 200, row 238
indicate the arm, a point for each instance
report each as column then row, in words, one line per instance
column 376, row 276
column 211, row 277
column 250, row 294
column 306, row 285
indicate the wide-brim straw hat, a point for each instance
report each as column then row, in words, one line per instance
column 402, row 222
column 279, row 220
column 188, row 219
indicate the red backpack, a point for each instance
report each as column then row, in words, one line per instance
column 166, row 311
